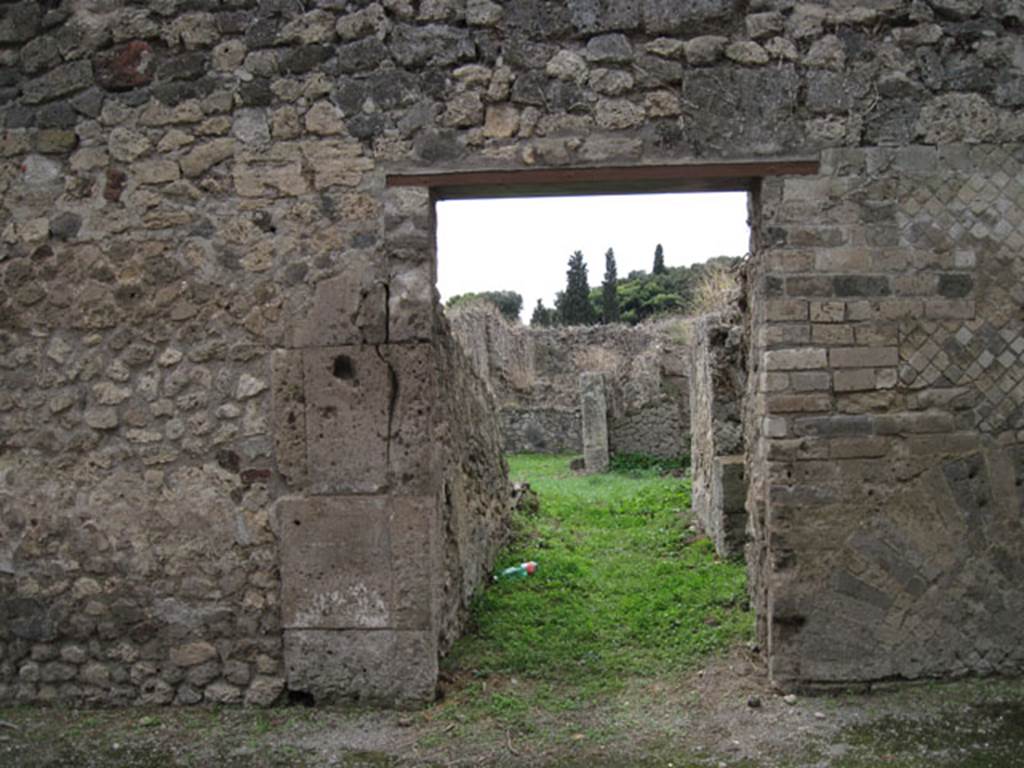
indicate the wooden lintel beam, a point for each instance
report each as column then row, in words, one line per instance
column 736, row 176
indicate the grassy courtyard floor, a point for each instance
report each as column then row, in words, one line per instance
column 628, row 647
column 625, row 594
column 623, row 588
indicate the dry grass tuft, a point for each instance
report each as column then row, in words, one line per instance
column 719, row 287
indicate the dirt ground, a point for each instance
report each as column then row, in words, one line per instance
column 723, row 715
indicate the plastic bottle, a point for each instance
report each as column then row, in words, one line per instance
column 520, row 571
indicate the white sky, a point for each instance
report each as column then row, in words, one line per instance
column 524, row 244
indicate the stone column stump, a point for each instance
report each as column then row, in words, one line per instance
column 594, row 417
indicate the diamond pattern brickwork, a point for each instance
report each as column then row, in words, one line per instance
column 977, row 221
column 975, row 354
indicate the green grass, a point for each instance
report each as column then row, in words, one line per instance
column 623, row 588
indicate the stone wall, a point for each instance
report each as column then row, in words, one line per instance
column 223, row 369
column 717, row 386
column 195, row 215
column 476, row 490
column 889, row 340
column 650, row 405
column 126, row 583
column 375, row 587
column 535, row 375
column 537, row 429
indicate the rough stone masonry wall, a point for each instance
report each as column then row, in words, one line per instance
column 717, row 386
column 535, row 375
column 187, row 221
column 650, row 405
column 193, row 199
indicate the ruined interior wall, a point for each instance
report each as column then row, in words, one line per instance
column 476, row 490
column 538, row 429
column 534, row 373
column 756, row 552
column 499, row 351
column 650, row 406
column 194, row 207
column 717, row 387
column 642, row 375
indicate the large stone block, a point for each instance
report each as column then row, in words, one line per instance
column 61, row 81
column 383, row 666
column 357, row 562
column 368, row 419
column 347, row 309
column 349, row 395
column 289, row 415
column 413, row 460
column 125, row 67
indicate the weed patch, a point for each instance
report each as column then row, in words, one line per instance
column 641, row 464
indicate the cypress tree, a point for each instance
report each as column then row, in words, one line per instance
column 576, row 308
column 542, row 316
column 610, row 290
column 659, row 261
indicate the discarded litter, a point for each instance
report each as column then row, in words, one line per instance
column 520, row 571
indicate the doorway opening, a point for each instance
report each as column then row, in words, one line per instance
column 557, row 299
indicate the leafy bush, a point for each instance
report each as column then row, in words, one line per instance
column 509, row 303
column 641, row 463
column 675, row 291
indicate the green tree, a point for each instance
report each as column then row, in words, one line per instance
column 542, row 316
column 659, row 261
column 576, row 308
column 509, row 303
column 610, row 290
column 673, row 292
